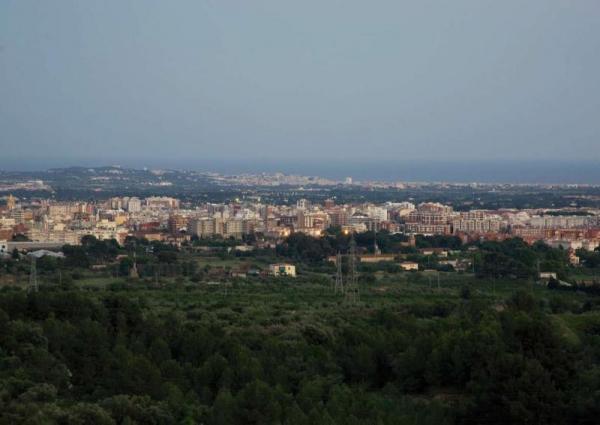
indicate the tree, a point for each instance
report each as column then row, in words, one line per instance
column 167, row 257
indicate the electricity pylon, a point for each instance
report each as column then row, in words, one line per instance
column 33, row 283
column 339, row 279
column 351, row 288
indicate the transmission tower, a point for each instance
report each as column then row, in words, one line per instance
column 339, row 279
column 33, row 283
column 351, row 288
column 133, row 271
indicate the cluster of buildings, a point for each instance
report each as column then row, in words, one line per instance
column 276, row 179
column 558, row 228
column 166, row 219
column 437, row 219
column 29, row 185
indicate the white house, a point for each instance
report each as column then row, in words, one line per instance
column 282, row 269
column 409, row 265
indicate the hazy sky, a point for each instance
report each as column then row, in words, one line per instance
column 277, row 79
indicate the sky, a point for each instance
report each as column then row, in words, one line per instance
column 119, row 80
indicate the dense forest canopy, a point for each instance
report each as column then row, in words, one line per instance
column 296, row 355
column 184, row 341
